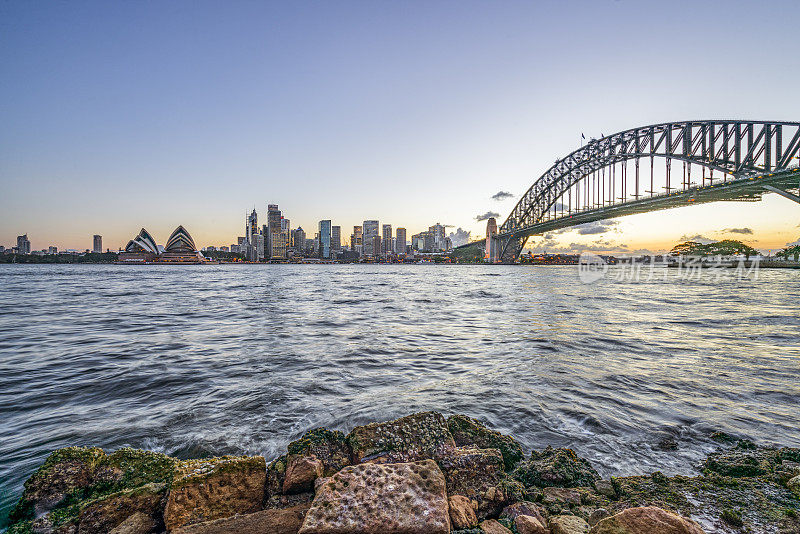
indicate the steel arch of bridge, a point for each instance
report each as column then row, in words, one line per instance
column 741, row 150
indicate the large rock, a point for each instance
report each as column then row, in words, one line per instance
column 467, row 432
column 65, row 471
column 110, row 512
column 415, row 437
column 525, row 524
column 646, row 520
column 478, row 474
column 556, row 467
column 735, row 463
column 320, row 446
column 462, row 512
column 558, row 498
column 285, row 521
column 204, row 490
column 328, row 446
column 528, row 508
column 401, row 498
column 568, row 524
column 301, row 472
column 75, row 477
column 490, row 526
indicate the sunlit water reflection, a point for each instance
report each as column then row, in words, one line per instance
column 243, row 359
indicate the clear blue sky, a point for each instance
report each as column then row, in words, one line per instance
column 118, row 115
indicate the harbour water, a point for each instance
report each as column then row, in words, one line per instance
column 201, row 360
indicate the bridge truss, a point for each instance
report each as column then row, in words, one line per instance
column 616, row 175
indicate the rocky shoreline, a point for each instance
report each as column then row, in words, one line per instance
column 422, row 473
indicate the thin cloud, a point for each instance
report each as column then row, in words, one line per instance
column 599, row 227
column 502, row 195
column 697, row 238
column 746, row 231
column 487, row 215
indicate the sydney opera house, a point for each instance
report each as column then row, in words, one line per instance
column 180, row 248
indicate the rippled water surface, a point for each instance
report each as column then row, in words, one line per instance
column 243, row 359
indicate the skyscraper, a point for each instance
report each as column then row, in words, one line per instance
column 300, row 241
column 325, row 239
column 386, row 242
column 23, row 244
column 357, row 240
column 400, row 244
column 336, row 239
column 251, row 227
column 286, row 236
column 97, row 247
column 274, row 242
column 438, row 237
column 370, row 228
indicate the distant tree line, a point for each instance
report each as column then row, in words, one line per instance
column 726, row 247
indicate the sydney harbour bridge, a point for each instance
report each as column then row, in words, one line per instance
column 651, row 168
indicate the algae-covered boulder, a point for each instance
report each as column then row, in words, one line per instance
column 415, row 437
column 745, row 460
column 556, row 467
column 107, row 513
column 328, row 446
column 401, row 498
column 646, row 520
column 65, row 472
column 73, row 479
column 468, row 432
column 478, row 474
column 203, row 490
column 794, row 485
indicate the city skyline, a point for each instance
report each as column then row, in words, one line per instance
column 407, row 114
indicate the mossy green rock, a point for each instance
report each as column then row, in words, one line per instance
column 103, row 515
column 416, row 437
column 469, row 432
column 329, row 446
column 556, row 467
column 72, row 478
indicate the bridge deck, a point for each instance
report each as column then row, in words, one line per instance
column 749, row 188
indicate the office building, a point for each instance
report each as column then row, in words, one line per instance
column 52, row 250
column 325, row 239
column 438, row 233
column 386, row 240
column 299, row 241
column 251, row 226
column 23, row 244
column 97, row 244
column 357, row 240
column 274, row 242
column 336, row 239
column 400, row 243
